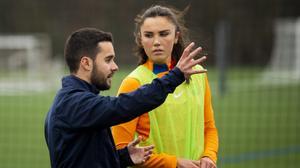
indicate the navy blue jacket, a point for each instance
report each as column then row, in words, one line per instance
column 77, row 126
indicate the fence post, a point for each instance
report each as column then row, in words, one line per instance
column 221, row 47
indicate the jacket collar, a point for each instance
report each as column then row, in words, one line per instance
column 74, row 82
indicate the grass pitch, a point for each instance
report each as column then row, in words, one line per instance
column 257, row 124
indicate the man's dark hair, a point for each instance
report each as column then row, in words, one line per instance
column 83, row 42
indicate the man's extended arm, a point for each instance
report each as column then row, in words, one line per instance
column 91, row 110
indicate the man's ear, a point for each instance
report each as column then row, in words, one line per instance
column 86, row 63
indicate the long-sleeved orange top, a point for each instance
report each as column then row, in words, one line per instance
column 125, row 133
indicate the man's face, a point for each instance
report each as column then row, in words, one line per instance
column 104, row 66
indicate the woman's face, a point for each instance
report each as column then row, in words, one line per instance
column 158, row 35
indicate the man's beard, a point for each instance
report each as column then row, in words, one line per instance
column 98, row 79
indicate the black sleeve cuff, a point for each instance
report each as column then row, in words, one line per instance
column 124, row 156
column 172, row 79
column 178, row 73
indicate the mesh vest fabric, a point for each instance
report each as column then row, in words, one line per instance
column 177, row 126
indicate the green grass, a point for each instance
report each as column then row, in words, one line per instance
column 22, row 141
column 260, row 124
column 257, row 124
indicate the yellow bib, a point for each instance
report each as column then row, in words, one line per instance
column 177, row 126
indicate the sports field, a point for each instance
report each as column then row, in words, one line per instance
column 258, row 123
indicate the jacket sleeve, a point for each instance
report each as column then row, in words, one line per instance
column 85, row 110
column 210, row 131
column 124, row 133
column 124, row 156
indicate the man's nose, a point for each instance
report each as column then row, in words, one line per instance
column 115, row 67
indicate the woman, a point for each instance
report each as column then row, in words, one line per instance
column 183, row 127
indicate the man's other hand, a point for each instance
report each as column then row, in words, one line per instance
column 138, row 154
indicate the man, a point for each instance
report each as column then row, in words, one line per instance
column 77, row 126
